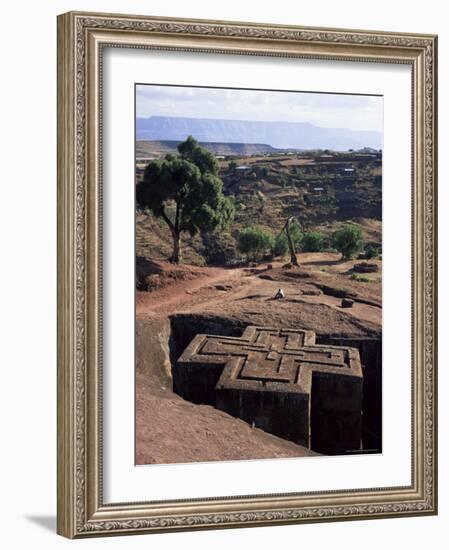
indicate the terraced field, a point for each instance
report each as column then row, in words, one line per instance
column 319, row 190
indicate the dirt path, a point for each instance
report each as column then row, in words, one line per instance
column 182, row 294
column 216, row 286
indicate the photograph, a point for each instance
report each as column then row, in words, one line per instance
column 258, row 273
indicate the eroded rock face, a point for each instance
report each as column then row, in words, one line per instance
column 153, row 352
column 279, row 380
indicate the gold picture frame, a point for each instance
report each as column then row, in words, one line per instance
column 81, row 39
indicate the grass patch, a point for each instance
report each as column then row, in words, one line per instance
column 360, row 278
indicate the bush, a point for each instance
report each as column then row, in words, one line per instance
column 313, row 241
column 371, row 251
column 280, row 247
column 360, row 278
column 348, row 240
column 254, row 241
column 219, row 249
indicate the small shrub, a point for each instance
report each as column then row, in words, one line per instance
column 254, row 242
column 371, row 252
column 313, row 241
column 280, row 247
column 219, row 249
column 360, row 278
column 348, row 240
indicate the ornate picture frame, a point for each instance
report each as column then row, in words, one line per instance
column 82, row 38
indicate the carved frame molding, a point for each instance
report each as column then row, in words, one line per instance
column 81, row 38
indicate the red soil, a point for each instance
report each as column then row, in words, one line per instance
column 169, row 429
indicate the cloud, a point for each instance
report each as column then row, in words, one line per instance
column 357, row 112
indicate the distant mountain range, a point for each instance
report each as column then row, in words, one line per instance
column 283, row 135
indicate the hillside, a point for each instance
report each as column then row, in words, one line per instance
column 319, row 190
column 152, row 149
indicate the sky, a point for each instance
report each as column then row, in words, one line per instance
column 354, row 112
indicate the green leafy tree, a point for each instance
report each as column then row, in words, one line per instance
column 348, row 240
column 313, row 241
column 254, row 241
column 184, row 190
column 281, row 247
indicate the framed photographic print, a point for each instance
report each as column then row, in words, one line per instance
column 246, row 274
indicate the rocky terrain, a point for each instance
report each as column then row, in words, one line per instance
column 188, row 300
